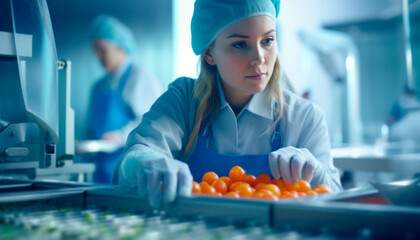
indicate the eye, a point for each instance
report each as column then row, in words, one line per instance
column 239, row 45
column 268, row 41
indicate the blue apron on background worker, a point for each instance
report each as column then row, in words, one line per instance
column 122, row 96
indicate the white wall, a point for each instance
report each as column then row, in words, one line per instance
column 301, row 64
column 185, row 61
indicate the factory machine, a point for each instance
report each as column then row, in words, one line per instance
column 36, row 124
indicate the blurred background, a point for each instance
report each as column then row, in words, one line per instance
column 359, row 60
column 370, row 31
column 150, row 22
column 352, row 58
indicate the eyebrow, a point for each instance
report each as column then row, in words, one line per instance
column 237, row 35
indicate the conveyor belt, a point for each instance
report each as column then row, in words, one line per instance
column 81, row 212
column 58, row 221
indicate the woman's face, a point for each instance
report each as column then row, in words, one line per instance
column 245, row 55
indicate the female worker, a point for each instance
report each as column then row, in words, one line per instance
column 235, row 113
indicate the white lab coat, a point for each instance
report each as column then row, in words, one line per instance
column 140, row 92
column 167, row 126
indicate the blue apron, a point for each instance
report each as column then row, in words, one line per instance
column 203, row 159
column 110, row 113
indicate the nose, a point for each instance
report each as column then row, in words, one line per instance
column 257, row 56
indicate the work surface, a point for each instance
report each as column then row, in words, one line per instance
column 401, row 157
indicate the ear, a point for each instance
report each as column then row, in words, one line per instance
column 209, row 57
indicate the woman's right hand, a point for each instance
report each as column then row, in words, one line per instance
column 159, row 177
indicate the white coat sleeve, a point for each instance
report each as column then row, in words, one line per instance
column 314, row 137
column 306, row 127
column 164, row 129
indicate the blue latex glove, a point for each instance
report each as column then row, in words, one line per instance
column 159, row 177
column 293, row 164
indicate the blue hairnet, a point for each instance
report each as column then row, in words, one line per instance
column 109, row 28
column 212, row 17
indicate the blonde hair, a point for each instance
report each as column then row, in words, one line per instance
column 206, row 96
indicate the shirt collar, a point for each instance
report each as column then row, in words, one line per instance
column 260, row 104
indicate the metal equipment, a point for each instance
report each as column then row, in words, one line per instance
column 393, row 157
column 339, row 57
column 36, row 120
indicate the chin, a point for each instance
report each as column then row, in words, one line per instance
column 255, row 90
column 259, row 87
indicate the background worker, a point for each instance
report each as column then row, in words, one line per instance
column 121, row 97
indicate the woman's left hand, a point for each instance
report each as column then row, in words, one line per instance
column 293, row 164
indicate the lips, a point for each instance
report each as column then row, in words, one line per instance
column 256, row 76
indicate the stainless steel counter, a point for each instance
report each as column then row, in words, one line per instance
column 401, row 157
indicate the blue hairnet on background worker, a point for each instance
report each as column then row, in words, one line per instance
column 235, row 113
column 122, row 96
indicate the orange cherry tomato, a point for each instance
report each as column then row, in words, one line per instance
column 232, row 187
column 301, row 194
column 302, row 186
column 207, row 189
column 202, row 184
column 226, row 180
column 265, row 194
column 274, row 189
column 289, row 194
column 260, row 186
column 250, row 179
column 322, row 188
column 196, row 188
column 311, row 193
column 210, row 177
column 220, row 186
column 289, row 186
column 263, row 178
column 258, row 194
column 232, row 195
column 237, row 174
column 244, row 190
column 276, row 181
column 279, row 183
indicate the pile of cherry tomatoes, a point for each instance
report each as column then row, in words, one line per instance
column 241, row 185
